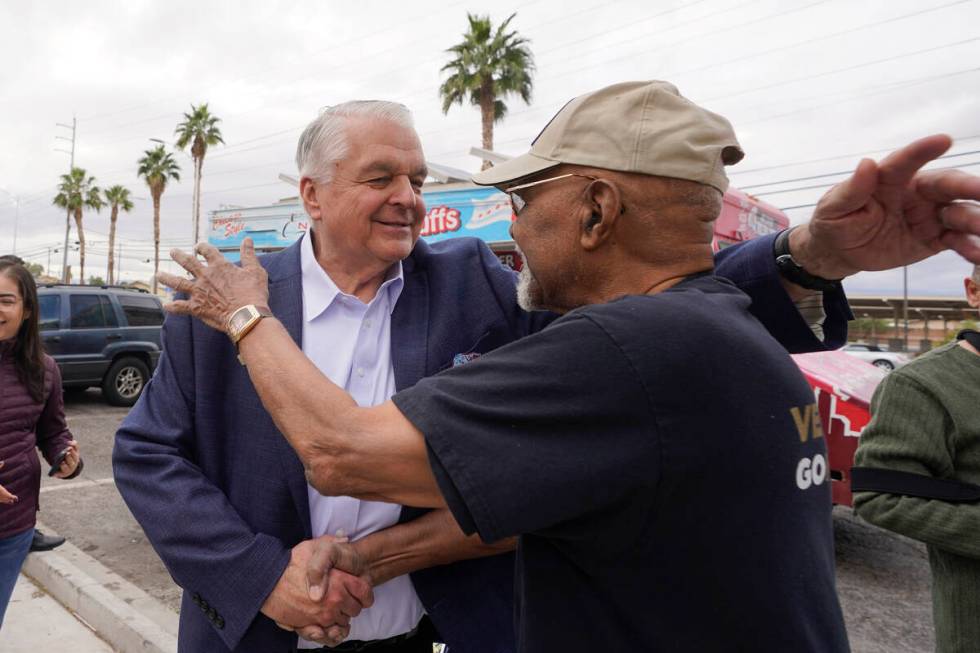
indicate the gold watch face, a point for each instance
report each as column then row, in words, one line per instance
column 239, row 320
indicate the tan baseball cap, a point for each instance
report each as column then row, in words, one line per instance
column 644, row 127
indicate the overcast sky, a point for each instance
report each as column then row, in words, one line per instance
column 810, row 86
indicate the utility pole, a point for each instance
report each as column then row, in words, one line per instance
column 905, row 303
column 64, row 260
column 112, row 275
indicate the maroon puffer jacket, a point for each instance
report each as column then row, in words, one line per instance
column 25, row 424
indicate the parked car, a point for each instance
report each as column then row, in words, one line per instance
column 886, row 360
column 105, row 336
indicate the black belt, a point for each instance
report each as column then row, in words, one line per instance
column 356, row 645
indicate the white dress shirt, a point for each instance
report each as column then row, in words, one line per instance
column 350, row 342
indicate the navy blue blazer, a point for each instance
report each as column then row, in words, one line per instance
column 222, row 497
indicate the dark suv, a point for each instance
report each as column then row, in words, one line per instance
column 106, row 336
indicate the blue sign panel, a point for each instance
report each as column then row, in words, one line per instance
column 269, row 227
column 484, row 213
column 481, row 212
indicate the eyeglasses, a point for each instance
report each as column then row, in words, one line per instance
column 519, row 203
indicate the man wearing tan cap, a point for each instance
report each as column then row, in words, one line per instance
column 643, row 446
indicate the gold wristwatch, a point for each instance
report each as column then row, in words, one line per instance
column 244, row 320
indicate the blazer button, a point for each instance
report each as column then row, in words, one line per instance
column 196, row 598
column 212, row 614
column 219, row 622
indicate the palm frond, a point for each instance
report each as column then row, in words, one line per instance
column 199, row 129
column 157, row 167
column 78, row 190
column 118, row 196
column 495, row 60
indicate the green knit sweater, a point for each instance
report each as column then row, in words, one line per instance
column 926, row 419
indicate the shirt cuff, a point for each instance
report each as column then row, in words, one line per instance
column 813, row 313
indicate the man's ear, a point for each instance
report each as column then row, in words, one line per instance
column 602, row 209
column 972, row 292
column 307, row 193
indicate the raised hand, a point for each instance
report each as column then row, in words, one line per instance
column 218, row 288
column 891, row 214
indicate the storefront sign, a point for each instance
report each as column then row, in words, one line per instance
column 481, row 212
column 484, row 213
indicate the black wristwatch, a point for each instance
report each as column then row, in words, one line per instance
column 793, row 271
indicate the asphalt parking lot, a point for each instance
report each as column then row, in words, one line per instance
column 883, row 579
column 91, row 513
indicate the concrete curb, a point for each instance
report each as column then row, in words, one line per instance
column 122, row 614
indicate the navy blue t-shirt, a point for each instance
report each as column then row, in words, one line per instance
column 662, row 459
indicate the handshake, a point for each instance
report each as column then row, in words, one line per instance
column 325, row 586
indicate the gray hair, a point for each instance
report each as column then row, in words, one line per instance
column 324, row 141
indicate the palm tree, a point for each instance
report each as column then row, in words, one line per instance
column 157, row 167
column 199, row 130
column 118, row 198
column 77, row 191
column 488, row 65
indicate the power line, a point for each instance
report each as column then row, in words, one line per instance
column 842, row 172
column 634, row 23
column 231, row 153
column 729, row 28
column 779, row 83
column 436, row 131
column 430, row 90
column 841, row 70
column 796, row 44
column 839, row 156
column 888, row 88
column 356, row 40
column 802, row 188
column 797, row 206
column 341, row 66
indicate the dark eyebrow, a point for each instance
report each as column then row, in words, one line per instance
column 8, row 294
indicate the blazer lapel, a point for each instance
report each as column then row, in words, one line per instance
column 410, row 327
column 286, row 303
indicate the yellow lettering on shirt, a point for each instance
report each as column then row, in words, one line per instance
column 807, row 421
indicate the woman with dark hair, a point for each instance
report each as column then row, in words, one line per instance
column 31, row 415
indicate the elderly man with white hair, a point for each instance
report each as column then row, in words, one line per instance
column 370, row 310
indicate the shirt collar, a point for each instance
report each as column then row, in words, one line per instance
column 319, row 290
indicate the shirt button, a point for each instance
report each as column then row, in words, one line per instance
column 367, row 324
column 360, row 372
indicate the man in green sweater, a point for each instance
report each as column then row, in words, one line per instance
column 926, row 421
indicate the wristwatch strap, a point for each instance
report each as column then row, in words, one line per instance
column 793, row 271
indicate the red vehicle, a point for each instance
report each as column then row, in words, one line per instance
column 843, row 386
